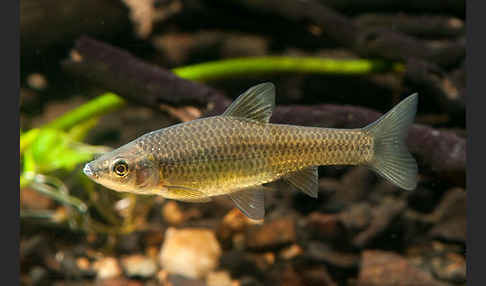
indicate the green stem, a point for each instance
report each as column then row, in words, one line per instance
column 53, row 188
column 267, row 65
column 100, row 105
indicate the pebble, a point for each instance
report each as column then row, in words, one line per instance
column 37, row 81
column 324, row 226
column 238, row 241
column 236, row 221
column 451, row 267
column 265, row 260
column 284, row 275
column 172, row 213
column 69, row 265
column 138, row 266
column 291, row 252
column 177, row 280
column 83, row 263
column 118, row 281
column 241, row 263
column 450, row 215
column 383, row 215
column 190, row 252
column 219, row 278
column 233, row 223
column 249, row 281
column 32, row 246
column 317, row 275
column 129, row 243
column 37, row 275
column 322, row 252
column 106, row 268
column 356, row 185
column 447, row 220
column 32, row 199
column 380, row 268
column 153, row 238
column 357, row 217
column 162, row 276
column 276, row 233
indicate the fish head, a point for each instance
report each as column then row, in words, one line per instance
column 126, row 169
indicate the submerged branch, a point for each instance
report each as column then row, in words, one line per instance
column 429, row 26
column 381, row 42
column 47, row 23
column 366, row 41
column 136, row 80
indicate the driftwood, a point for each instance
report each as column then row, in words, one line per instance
column 368, row 42
column 46, row 23
column 442, row 152
column 424, row 62
column 431, row 80
column 136, row 80
column 430, row 26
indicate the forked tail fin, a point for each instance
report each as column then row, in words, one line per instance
column 391, row 157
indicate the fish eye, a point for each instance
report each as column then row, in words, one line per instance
column 120, row 168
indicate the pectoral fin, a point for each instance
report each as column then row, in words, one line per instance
column 250, row 201
column 186, row 194
column 305, row 180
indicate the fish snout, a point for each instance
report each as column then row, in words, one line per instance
column 87, row 170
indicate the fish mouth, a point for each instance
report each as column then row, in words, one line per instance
column 88, row 172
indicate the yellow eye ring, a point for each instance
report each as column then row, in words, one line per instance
column 120, row 168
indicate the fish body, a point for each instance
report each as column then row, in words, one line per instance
column 221, row 154
column 235, row 153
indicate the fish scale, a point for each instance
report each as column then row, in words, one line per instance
column 217, row 154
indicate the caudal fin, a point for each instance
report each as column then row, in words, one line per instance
column 391, row 157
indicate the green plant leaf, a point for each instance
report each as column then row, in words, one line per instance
column 54, row 149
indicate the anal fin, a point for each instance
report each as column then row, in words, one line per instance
column 305, row 180
column 250, row 201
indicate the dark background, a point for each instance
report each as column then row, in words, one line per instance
column 361, row 230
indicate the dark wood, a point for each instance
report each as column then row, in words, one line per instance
column 46, row 23
column 119, row 71
column 365, row 41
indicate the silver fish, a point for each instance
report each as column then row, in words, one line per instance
column 235, row 153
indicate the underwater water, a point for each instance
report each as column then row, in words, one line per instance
column 96, row 75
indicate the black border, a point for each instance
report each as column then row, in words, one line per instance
column 10, row 210
column 476, row 103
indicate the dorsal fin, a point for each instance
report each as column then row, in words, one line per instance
column 305, row 180
column 250, row 201
column 256, row 103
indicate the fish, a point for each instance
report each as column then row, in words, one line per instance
column 234, row 154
